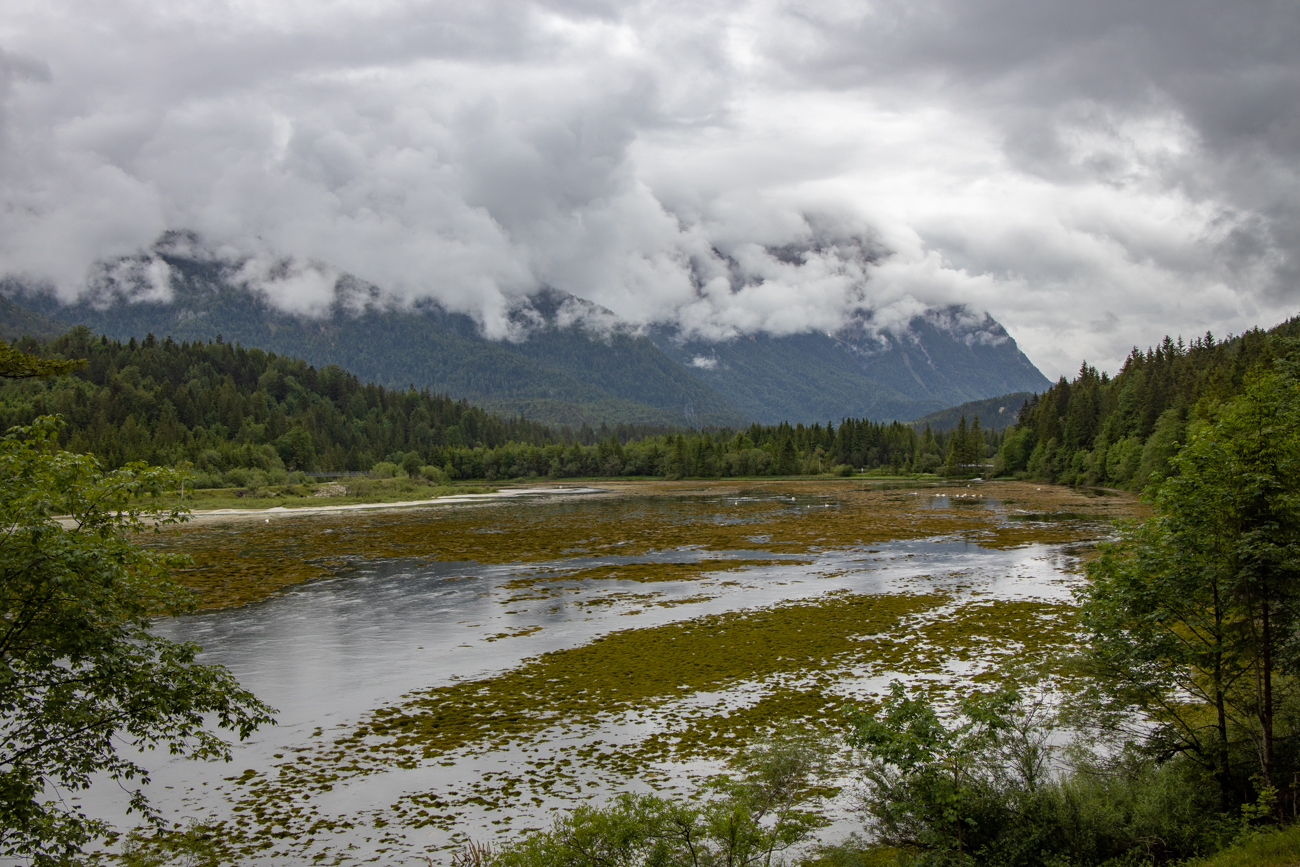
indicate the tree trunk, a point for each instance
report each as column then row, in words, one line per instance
column 1266, row 712
column 1224, row 773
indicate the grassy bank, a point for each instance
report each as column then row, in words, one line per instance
column 1278, row 849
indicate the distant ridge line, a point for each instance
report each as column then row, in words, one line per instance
column 995, row 413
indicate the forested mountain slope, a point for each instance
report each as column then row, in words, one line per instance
column 800, row 376
column 561, row 374
column 221, row 406
column 567, row 362
column 1121, row 431
column 17, row 321
column 994, row 413
column 944, row 357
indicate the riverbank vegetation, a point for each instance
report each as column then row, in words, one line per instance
column 86, row 686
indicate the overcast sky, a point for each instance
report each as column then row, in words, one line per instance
column 1093, row 174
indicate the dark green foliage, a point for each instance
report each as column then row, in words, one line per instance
column 739, row 822
column 220, row 407
column 941, row 788
column 81, row 673
column 976, row 790
column 1192, row 612
column 21, row 365
column 244, row 417
column 1189, row 664
column 1094, row 430
column 966, row 449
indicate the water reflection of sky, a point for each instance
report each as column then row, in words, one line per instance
column 385, row 628
column 327, row 653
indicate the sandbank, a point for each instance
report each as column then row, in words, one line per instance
column 207, row 516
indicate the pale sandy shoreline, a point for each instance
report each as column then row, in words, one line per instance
column 206, row 516
column 213, row 516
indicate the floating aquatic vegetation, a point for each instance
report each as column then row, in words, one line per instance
column 641, row 703
column 242, row 561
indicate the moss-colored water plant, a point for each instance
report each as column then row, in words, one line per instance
column 237, row 561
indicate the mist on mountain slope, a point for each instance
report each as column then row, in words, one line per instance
column 561, row 359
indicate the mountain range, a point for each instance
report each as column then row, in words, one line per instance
column 570, row 362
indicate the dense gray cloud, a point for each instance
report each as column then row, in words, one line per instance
column 1092, row 174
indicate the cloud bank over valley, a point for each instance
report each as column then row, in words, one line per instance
column 1092, row 175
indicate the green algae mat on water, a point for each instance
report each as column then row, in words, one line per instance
column 628, row 639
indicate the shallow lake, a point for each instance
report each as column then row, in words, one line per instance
column 462, row 672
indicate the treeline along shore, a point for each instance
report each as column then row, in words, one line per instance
column 237, row 416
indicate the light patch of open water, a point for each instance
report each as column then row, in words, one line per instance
column 380, row 631
column 329, row 653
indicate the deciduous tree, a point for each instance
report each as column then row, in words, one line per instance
column 84, row 683
column 20, row 365
column 1191, row 612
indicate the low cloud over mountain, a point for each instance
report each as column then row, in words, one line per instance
column 1078, row 170
column 558, row 357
